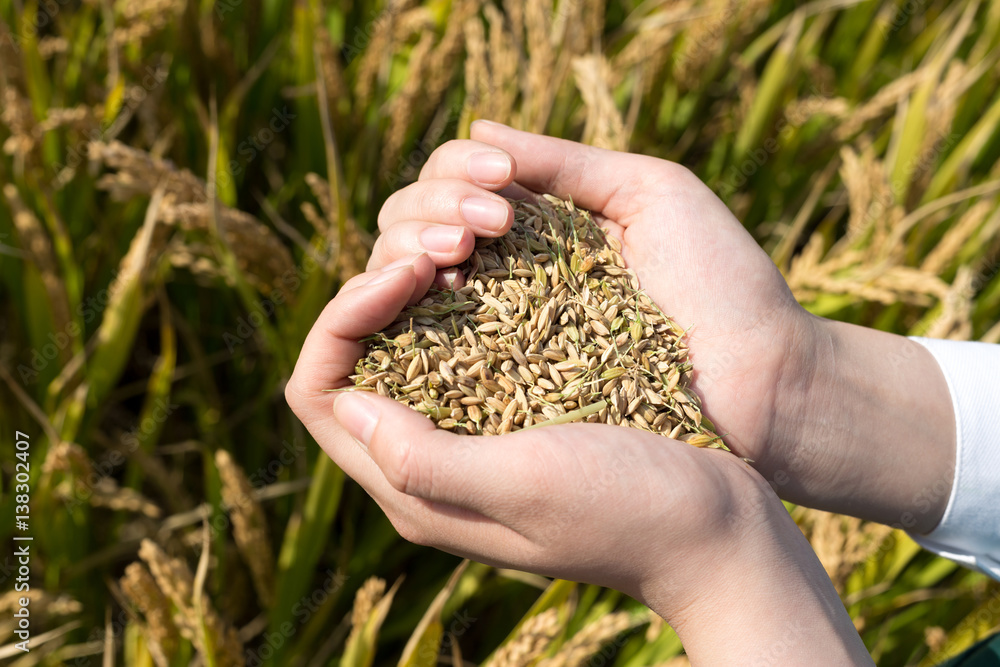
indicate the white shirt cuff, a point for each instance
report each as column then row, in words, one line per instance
column 969, row 531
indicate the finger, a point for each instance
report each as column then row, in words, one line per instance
column 366, row 304
column 422, row 461
column 446, row 245
column 449, row 202
column 615, row 184
column 485, row 165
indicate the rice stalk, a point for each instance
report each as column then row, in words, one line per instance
column 215, row 640
column 531, row 641
column 162, row 635
column 249, row 525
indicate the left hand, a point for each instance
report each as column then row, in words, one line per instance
column 676, row 527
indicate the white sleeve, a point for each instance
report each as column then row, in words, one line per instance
column 969, row 532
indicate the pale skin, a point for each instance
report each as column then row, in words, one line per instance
column 833, row 416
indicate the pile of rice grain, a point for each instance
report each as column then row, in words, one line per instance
column 550, row 328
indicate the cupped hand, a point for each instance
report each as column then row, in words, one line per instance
column 593, row 503
column 695, row 534
column 750, row 341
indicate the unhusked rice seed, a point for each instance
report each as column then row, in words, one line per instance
column 551, row 327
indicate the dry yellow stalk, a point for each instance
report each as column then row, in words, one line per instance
column 441, row 61
column 80, row 117
column 993, row 335
column 378, row 53
column 582, row 646
column 605, row 127
column 138, row 173
column 532, row 640
column 161, row 633
column 207, row 631
column 43, row 602
column 357, row 243
column 476, row 70
column 551, row 327
column 36, row 244
column 364, row 602
column 944, row 253
column 856, row 173
column 955, row 320
column 107, row 493
column 264, row 260
column 17, row 115
column 537, row 85
column 249, row 525
column 653, row 35
column 840, row 542
column 886, row 99
column 505, row 63
column 706, row 37
column 144, row 18
column 403, row 102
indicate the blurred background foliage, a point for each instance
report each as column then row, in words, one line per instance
column 186, row 183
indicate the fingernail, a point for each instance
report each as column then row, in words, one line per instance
column 442, row 239
column 489, row 167
column 357, row 413
column 386, row 275
column 483, row 212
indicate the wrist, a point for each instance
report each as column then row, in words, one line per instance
column 867, row 428
column 761, row 595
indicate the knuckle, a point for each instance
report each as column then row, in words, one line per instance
column 672, row 171
column 404, row 473
column 292, row 395
column 440, row 156
column 427, row 202
column 451, row 146
column 391, row 203
column 409, row 531
column 379, row 254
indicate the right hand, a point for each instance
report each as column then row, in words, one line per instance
column 693, row 258
column 826, row 411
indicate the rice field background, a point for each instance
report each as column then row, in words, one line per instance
column 186, row 184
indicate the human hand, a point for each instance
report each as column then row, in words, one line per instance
column 693, row 258
column 826, row 411
column 694, row 533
